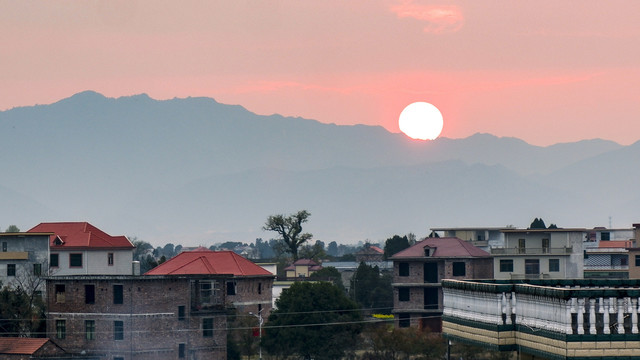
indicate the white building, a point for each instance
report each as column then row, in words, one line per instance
column 79, row 248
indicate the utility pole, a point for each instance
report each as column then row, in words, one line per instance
column 260, row 321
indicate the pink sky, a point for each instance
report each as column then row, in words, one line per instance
column 543, row 71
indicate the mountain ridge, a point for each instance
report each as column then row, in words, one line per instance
column 90, row 157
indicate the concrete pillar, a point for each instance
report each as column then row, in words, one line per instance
column 592, row 316
column 605, row 315
column 621, row 315
column 580, row 315
column 634, row 315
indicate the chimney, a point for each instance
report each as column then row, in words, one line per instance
column 135, row 268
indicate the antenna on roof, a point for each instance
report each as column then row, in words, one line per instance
column 609, row 221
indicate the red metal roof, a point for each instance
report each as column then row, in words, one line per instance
column 18, row 345
column 205, row 261
column 82, row 235
column 444, row 247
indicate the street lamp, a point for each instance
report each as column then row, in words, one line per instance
column 260, row 321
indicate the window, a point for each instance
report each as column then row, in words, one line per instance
column 75, row 260
column 37, row 269
column 59, row 293
column 181, row 350
column 545, row 246
column 118, row 330
column 637, row 260
column 259, row 288
column 61, row 329
column 605, row 236
column 521, row 246
column 554, row 265
column 207, row 327
column 11, row 269
column 181, row 312
column 89, row 294
column 117, row 294
column 403, row 269
column 532, row 266
column 4, row 246
column 205, row 292
column 110, row 259
column 231, row 288
column 404, row 294
column 459, row 268
column 118, row 358
column 53, row 260
column 90, row 329
column 431, row 298
column 404, row 320
column 506, row 265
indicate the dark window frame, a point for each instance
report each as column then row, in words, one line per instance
column 75, row 259
column 403, row 269
column 404, row 320
column 404, row 294
column 89, row 294
column 56, row 262
column 459, row 268
column 90, row 329
column 181, row 350
column 37, row 269
column 61, row 328
column 506, row 265
column 207, row 327
column 554, row 265
column 11, row 269
column 110, row 257
column 118, row 330
column 181, row 312
column 118, row 294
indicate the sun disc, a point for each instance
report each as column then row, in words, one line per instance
column 421, row 120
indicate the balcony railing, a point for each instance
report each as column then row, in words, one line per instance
column 606, row 267
column 532, row 251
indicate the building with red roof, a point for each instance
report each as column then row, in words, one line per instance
column 19, row 348
column 419, row 270
column 370, row 253
column 79, row 248
column 302, row 268
column 246, row 285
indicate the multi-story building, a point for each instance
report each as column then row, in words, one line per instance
column 23, row 259
column 606, row 253
column 246, row 285
column 301, row 268
column 419, row 270
column 540, row 253
column 79, row 248
column 483, row 237
column 116, row 317
column 546, row 319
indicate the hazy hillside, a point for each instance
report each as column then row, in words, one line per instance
column 195, row 171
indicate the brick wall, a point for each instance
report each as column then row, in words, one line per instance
column 149, row 314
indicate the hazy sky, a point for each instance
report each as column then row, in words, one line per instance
column 543, row 71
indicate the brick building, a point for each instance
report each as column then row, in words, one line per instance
column 247, row 286
column 419, row 270
column 116, row 317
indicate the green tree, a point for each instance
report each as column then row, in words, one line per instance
column 371, row 290
column 12, row 229
column 21, row 313
column 394, row 245
column 315, row 251
column 312, row 320
column 537, row 224
column 290, row 230
column 331, row 274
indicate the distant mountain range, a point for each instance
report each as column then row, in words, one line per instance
column 193, row 171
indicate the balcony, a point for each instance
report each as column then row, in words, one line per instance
column 532, row 251
column 14, row 255
column 606, row 267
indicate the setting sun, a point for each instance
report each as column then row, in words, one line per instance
column 421, row 120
